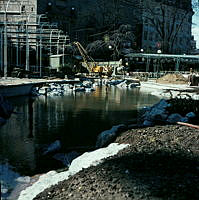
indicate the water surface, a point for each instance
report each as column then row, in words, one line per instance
column 75, row 119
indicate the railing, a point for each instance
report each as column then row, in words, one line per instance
column 155, row 75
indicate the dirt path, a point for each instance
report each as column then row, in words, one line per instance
column 161, row 163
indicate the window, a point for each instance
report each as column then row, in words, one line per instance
column 145, row 35
column 23, row 8
column 150, row 37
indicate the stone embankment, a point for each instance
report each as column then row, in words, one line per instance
column 6, row 109
column 165, row 112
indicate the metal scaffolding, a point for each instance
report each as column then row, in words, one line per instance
column 22, row 28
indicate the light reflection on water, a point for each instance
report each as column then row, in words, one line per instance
column 74, row 119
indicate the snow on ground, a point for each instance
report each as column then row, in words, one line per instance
column 9, row 180
column 167, row 91
column 86, row 160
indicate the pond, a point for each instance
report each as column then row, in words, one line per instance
column 74, row 119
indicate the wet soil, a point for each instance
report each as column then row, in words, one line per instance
column 162, row 162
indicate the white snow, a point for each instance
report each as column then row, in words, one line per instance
column 168, row 91
column 86, row 160
column 9, row 179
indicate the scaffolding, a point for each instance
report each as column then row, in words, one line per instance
column 23, row 30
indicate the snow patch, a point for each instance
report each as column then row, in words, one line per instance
column 10, row 179
column 86, row 160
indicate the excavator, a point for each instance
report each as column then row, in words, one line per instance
column 91, row 66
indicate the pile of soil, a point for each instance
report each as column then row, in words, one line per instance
column 162, row 162
column 172, row 79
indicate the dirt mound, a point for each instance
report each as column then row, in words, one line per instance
column 173, row 78
column 161, row 163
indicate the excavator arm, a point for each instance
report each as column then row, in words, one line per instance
column 84, row 55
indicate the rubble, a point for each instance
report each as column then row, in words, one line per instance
column 172, row 79
column 55, row 89
column 164, row 112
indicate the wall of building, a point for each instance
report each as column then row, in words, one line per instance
column 177, row 23
column 84, row 20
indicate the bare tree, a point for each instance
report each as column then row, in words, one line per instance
column 113, row 44
column 167, row 18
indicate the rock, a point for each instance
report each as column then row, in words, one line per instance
column 79, row 89
column 156, row 114
column 162, row 104
column 87, row 84
column 53, row 147
column 107, row 136
column 190, row 115
column 173, row 118
column 184, row 119
column 89, row 89
column 148, row 123
column 115, row 82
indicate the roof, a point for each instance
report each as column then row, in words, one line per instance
column 55, row 56
column 162, row 56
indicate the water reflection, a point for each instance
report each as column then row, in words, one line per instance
column 75, row 119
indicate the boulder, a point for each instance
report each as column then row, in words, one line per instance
column 55, row 146
column 173, row 118
column 106, row 137
column 148, row 123
column 162, row 104
column 190, row 115
column 156, row 114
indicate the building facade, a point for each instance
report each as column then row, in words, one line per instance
column 163, row 25
column 167, row 26
column 87, row 20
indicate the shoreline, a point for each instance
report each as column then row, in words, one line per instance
column 160, row 162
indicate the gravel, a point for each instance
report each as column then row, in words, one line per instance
column 161, row 162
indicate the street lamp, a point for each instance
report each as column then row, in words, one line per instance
column 51, row 33
column 5, row 71
column 27, row 41
column 142, row 50
column 159, row 51
column 65, row 38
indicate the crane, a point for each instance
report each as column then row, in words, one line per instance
column 92, row 66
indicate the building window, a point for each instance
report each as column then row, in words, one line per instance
column 23, row 8
column 145, row 35
column 150, row 37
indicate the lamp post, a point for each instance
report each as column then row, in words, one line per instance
column 37, row 44
column 51, row 33
column 27, row 41
column 65, row 38
column 2, row 50
column 159, row 51
column 158, row 65
column 5, row 71
column 58, row 42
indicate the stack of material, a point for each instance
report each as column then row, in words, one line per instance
column 173, row 79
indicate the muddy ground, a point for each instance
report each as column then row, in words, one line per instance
column 161, row 163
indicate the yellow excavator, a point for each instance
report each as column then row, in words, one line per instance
column 91, row 66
